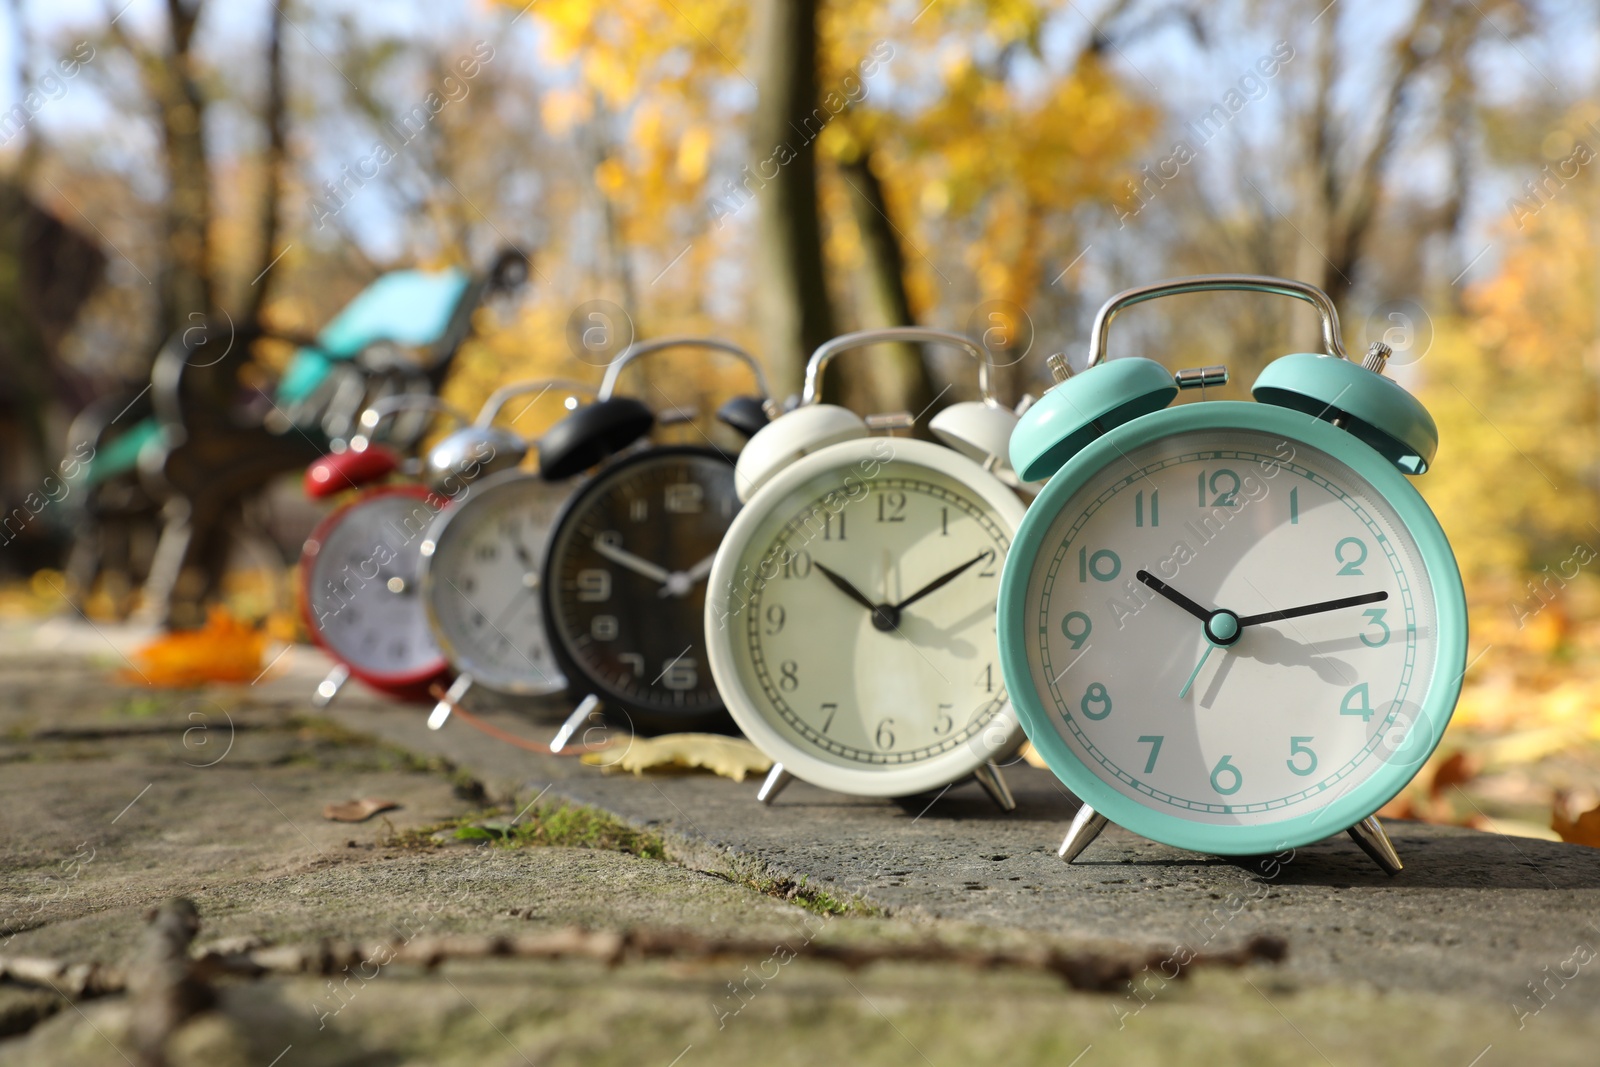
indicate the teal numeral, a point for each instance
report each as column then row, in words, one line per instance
column 1155, row 508
column 1376, row 615
column 1154, row 741
column 1095, row 694
column 1294, row 506
column 1358, row 555
column 1104, row 565
column 1363, row 709
column 1221, row 497
column 1298, row 747
column 1079, row 634
column 1225, row 766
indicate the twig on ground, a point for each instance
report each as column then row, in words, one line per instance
column 1093, row 971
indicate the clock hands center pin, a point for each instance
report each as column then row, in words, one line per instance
column 679, row 583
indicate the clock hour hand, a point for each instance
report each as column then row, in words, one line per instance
column 846, row 588
column 939, row 582
column 1173, row 595
column 1313, row 609
column 637, row 564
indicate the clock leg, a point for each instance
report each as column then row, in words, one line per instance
column 580, row 714
column 329, row 687
column 1086, row 826
column 777, row 779
column 994, row 784
column 441, row 711
column 1369, row 834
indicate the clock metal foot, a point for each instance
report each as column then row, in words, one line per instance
column 994, row 783
column 329, row 687
column 777, row 779
column 1086, row 826
column 441, row 711
column 580, row 714
column 1370, row 835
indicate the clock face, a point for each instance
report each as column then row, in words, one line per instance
column 1231, row 627
column 625, row 581
column 361, row 589
column 483, row 569
column 860, row 617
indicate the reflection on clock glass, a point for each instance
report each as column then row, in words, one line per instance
column 864, row 614
column 363, row 586
column 628, row 570
column 1332, row 625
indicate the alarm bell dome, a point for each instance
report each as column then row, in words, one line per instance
column 470, row 453
column 1374, row 409
column 1081, row 408
column 976, row 430
column 802, row 431
column 338, row 471
column 590, row 434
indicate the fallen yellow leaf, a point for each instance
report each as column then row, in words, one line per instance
column 730, row 757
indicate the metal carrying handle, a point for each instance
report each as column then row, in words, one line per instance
column 608, row 384
column 389, row 405
column 1201, row 283
column 498, row 398
column 889, row 334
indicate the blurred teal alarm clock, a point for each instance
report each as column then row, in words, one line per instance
column 1227, row 626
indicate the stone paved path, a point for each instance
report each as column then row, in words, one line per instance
column 113, row 797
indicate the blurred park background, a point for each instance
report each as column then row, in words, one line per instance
column 782, row 171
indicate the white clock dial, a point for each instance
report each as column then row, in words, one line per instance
column 482, row 583
column 862, row 615
column 362, row 586
column 1271, row 717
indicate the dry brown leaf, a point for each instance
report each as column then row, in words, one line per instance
column 359, row 810
column 730, row 757
column 224, row 650
column 1458, row 769
column 1583, row 830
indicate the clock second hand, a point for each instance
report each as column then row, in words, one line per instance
column 1196, row 672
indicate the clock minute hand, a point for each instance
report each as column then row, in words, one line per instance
column 1173, row 595
column 846, row 588
column 636, row 564
column 939, row 582
column 701, row 569
column 1313, row 609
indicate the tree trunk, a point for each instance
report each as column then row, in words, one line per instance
column 186, row 275
column 894, row 378
column 793, row 310
column 272, row 167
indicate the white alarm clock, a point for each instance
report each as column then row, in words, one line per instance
column 850, row 616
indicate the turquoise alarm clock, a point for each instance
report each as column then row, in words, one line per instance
column 1228, row 626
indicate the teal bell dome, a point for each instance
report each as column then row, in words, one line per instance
column 1357, row 398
